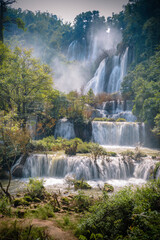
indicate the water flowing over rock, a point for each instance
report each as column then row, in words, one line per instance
column 117, row 133
column 77, row 51
column 118, row 72
column 41, row 165
column 97, row 82
column 65, row 129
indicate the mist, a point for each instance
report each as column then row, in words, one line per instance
column 69, row 72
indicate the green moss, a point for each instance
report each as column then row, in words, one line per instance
column 108, row 187
column 20, row 202
column 104, row 119
column 28, row 198
column 121, row 120
column 81, row 184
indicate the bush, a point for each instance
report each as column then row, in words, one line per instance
column 35, row 188
column 82, row 202
column 84, row 147
column 16, row 232
column 5, row 207
column 108, row 188
column 20, row 202
column 71, row 146
column 97, row 151
column 104, row 119
column 44, row 212
column 121, row 120
column 81, row 184
column 128, row 214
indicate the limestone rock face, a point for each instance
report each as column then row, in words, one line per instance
column 17, row 171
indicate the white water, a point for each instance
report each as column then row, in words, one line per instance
column 114, row 77
column 97, row 82
column 118, row 73
column 65, row 129
column 116, row 171
column 116, row 133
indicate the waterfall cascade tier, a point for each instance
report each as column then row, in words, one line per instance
column 40, row 165
column 112, row 77
column 118, row 133
column 65, row 129
column 116, row 109
column 97, row 82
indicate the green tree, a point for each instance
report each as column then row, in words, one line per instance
column 5, row 19
column 24, row 83
column 143, row 86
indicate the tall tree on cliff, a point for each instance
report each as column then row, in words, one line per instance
column 4, row 19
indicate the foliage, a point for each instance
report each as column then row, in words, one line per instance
column 143, row 85
column 25, row 83
column 35, row 188
column 16, row 232
column 41, row 212
column 81, row 184
column 82, row 202
column 84, row 147
column 5, row 207
column 121, row 120
column 43, row 30
column 129, row 214
column 156, row 168
column 14, row 140
column 5, row 19
column 97, row 151
column 104, row 119
column 108, row 188
column 71, row 146
column 140, row 24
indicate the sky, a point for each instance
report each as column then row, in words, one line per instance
column 69, row 9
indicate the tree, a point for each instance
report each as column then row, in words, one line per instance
column 143, row 85
column 5, row 19
column 24, row 84
column 13, row 142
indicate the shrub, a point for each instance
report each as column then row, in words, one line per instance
column 35, row 188
column 82, row 202
column 84, row 148
column 97, row 151
column 16, row 232
column 128, row 214
column 71, row 146
column 104, row 119
column 128, row 153
column 5, row 207
column 108, row 188
column 20, row 202
column 81, row 184
column 121, row 120
column 44, row 212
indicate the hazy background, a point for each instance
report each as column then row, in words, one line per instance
column 69, row 9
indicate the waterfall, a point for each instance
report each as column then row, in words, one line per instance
column 65, row 129
column 77, row 51
column 118, row 73
column 41, row 165
column 97, row 82
column 116, row 133
column 81, row 167
column 115, row 75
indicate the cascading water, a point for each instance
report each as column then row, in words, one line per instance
column 116, row 133
column 65, row 129
column 115, row 75
column 41, row 165
column 118, row 73
column 97, row 82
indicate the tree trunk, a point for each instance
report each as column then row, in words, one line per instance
column 1, row 21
